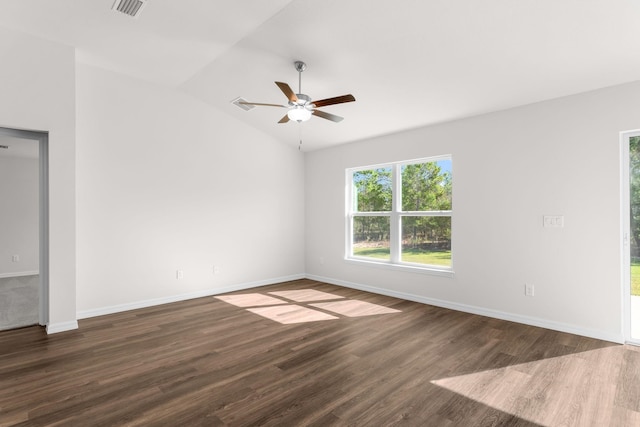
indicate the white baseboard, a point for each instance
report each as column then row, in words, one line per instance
column 19, row 274
column 512, row 317
column 85, row 314
column 532, row 321
column 54, row 328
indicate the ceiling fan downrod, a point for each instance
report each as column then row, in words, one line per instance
column 300, row 67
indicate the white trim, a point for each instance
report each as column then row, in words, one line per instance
column 526, row 320
column 625, row 235
column 634, row 317
column 84, row 314
column 625, row 238
column 395, row 216
column 395, row 229
column 378, row 213
column 348, row 205
column 43, row 235
column 19, row 274
column 43, row 216
column 430, row 270
column 54, row 328
column 416, row 161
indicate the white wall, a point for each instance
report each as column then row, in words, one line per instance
column 165, row 182
column 37, row 87
column 510, row 168
column 19, row 214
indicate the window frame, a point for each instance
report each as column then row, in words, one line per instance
column 395, row 219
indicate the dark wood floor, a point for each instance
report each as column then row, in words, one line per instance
column 207, row 362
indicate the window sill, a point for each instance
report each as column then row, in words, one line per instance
column 430, row 270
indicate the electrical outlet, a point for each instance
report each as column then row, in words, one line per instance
column 553, row 221
column 15, row 258
column 216, row 269
column 529, row 290
column 179, row 274
column 321, row 260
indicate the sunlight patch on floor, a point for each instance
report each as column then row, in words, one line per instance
column 580, row 380
column 250, row 300
column 284, row 312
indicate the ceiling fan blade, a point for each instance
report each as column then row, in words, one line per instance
column 288, row 92
column 285, row 119
column 261, row 104
column 327, row 116
column 331, row 101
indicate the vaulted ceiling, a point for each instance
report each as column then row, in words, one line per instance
column 409, row 63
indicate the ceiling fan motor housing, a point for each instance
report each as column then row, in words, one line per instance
column 302, row 99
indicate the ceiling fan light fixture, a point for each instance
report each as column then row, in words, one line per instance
column 300, row 106
column 299, row 114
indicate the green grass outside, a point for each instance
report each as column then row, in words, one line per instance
column 635, row 278
column 444, row 258
column 409, row 255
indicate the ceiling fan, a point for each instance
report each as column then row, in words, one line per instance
column 300, row 106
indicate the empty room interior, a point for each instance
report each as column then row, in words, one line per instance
column 297, row 213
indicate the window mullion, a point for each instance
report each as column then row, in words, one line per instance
column 351, row 208
column 395, row 240
column 427, row 213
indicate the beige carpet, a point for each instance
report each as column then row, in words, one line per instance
column 19, row 301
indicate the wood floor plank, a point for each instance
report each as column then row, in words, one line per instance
column 627, row 393
column 207, row 362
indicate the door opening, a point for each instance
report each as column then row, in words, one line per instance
column 26, row 257
column 630, row 149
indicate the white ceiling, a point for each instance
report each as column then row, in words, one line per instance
column 409, row 63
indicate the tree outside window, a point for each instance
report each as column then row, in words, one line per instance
column 400, row 213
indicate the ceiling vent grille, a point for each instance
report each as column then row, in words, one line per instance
column 244, row 107
column 131, row 8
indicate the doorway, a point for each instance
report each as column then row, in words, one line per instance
column 630, row 149
column 24, row 266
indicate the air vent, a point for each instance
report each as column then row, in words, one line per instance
column 131, row 8
column 245, row 107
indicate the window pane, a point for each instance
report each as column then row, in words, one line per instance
column 634, row 199
column 372, row 190
column 426, row 240
column 371, row 237
column 426, row 186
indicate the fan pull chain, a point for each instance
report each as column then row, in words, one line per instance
column 300, row 136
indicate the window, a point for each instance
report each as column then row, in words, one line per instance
column 399, row 214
